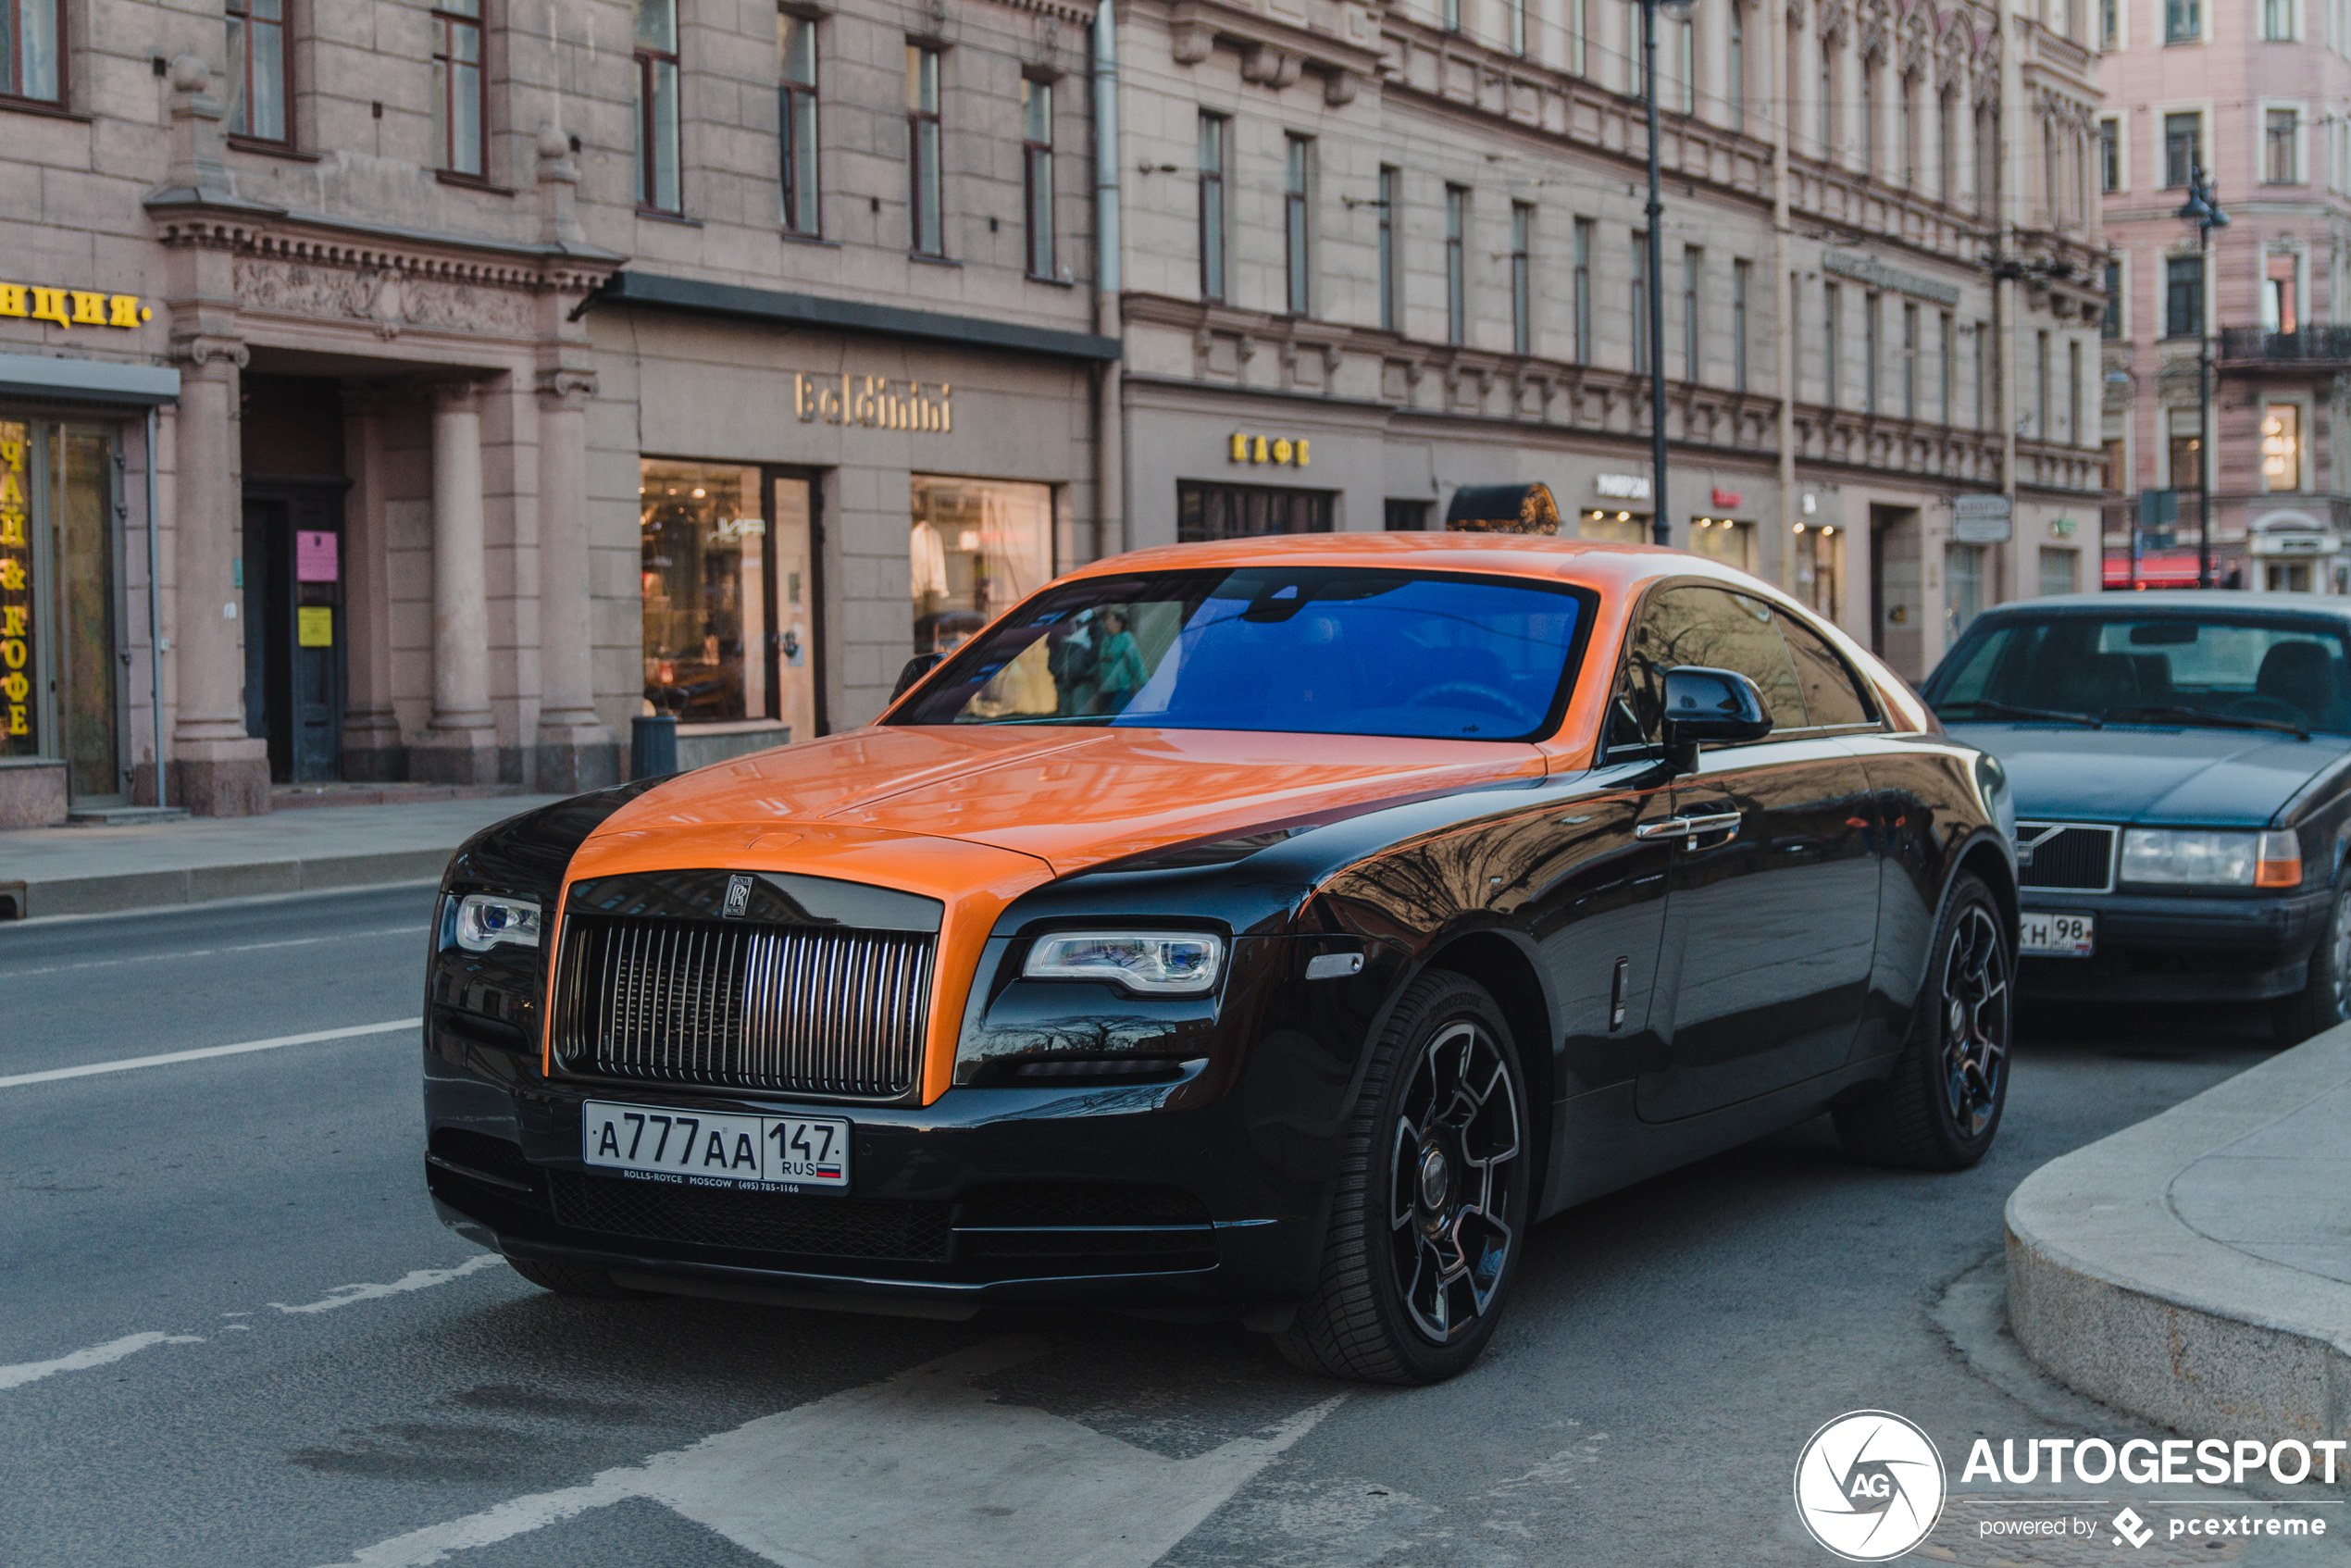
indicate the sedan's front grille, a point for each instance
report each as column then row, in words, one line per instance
column 2069, row 857
column 822, row 1011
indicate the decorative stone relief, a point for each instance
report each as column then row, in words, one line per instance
column 388, row 298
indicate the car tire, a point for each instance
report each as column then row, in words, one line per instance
column 1940, row 1108
column 2321, row 1001
column 1433, row 1199
column 569, row 1279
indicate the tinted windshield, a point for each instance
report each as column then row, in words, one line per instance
column 2170, row 669
column 1319, row 651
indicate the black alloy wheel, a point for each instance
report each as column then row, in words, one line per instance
column 1940, row 1107
column 1432, row 1199
column 2325, row 1000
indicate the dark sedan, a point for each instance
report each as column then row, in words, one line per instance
column 2182, row 767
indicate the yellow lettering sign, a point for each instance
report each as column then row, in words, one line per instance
column 12, row 574
column 17, row 725
column 49, row 305
column 12, row 620
column 1281, row 451
column 89, row 310
column 1301, row 452
column 12, row 529
column 12, row 651
column 73, row 307
column 12, row 299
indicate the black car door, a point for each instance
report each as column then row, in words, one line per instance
column 1772, row 893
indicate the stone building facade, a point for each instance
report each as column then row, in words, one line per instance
column 1374, row 253
column 393, row 391
column 2253, row 94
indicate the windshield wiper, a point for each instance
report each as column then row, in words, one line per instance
column 2096, row 721
column 2231, row 721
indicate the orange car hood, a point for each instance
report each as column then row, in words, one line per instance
column 1070, row 797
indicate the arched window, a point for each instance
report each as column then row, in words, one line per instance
column 1736, row 82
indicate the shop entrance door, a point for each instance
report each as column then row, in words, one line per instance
column 1896, row 608
column 61, row 652
column 294, row 640
column 791, row 646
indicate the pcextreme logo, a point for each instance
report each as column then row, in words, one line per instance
column 1868, row 1485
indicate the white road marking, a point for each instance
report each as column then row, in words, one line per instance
column 217, row 951
column 414, row 1279
column 17, row 1377
column 92, row 1069
column 922, row 1468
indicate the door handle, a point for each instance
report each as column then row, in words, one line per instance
column 1689, row 827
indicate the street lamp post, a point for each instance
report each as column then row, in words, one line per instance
column 1660, row 521
column 2205, row 212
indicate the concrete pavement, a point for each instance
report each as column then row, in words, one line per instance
column 2195, row 1269
column 48, row 871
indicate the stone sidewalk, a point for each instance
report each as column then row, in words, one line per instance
column 2195, row 1269
column 99, row 870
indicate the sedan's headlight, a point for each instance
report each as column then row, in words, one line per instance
column 1160, row 962
column 2211, row 859
column 485, row 921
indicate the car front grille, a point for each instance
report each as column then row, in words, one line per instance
column 821, row 1011
column 2068, row 856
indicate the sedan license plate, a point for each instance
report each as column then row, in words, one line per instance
column 2056, row 935
column 710, row 1148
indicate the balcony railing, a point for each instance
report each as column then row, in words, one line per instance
column 2329, row 346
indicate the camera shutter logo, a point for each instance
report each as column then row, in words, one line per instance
column 1868, row 1485
column 737, row 898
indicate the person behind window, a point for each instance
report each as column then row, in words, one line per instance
column 1118, row 670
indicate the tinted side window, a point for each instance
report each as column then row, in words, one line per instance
column 1702, row 626
column 1830, row 695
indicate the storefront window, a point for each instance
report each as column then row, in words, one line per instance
column 60, row 661
column 20, row 666
column 1242, row 511
column 1724, row 539
column 2281, row 447
column 977, row 545
column 1816, row 569
column 704, row 558
column 1614, row 527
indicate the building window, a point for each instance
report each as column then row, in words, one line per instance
column 1946, row 145
column 1456, row 265
column 707, row 595
column 1869, row 114
column 2109, row 154
column 1963, row 587
column 1685, row 64
column 1946, row 350
column 2110, row 25
column 656, row 62
column 2042, row 429
column 457, row 93
column 258, row 89
column 1213, row 134
column 1983, row 353
column 2277, row 21
column 2073, row 390
column 28, row 51
column 1579, row 30
column 1239, row 511
column 1296, row 233
column 1907, row 108
column 1742, row 281
column 1404, row 517
column 2281, row 447
column 1816, row 569
column 1584, row 230
column 977, row 545
column 1909, row 361
column 1826, row 99
column 1831, row 349
column 1451, row 15
column 2182, row 297
column 2110, row 318
column 1693, row 275
column 1514, row 23
column 1640, row 319
column 1036, row 173
column 1522, row 278
column 1872, row 309
column 2280, row 132
column 2182, row 21
column 2061, row 571
column 926, row 188
column 2186, row 449
column 796, row 118
column 2183, row 149
column 1736, row 67
column 1391, row 271
column 2279, row 305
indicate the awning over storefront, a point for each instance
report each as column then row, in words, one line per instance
column 2167, row 568
column 37, row 376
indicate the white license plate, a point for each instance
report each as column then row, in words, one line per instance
column 709, row 1149
column 2058, row 936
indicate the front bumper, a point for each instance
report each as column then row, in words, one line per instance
column 2174, row 948
column 1143, row 1196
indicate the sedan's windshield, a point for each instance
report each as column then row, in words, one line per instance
column 1323, row 651
column 2230, row 672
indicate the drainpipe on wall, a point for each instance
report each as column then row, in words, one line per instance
column 1109, row 454
column 1784, row 300
column 2006, row 305
column 154, row 613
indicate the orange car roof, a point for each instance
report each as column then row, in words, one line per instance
column 1588, row 563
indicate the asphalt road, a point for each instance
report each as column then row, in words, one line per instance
column 231, row 1331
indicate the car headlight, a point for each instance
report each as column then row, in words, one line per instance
column 486, row 920
column 1159, row 962
column 2211, row 859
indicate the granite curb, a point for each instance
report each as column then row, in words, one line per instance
column 2194, row 1270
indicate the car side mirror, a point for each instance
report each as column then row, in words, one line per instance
column 916, row 667
column 1720, row 706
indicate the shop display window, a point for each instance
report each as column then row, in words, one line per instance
column 977, row 545
column 20, row 663
column 1613, row 527
column 60, row 652
column 1243, row 511
column 1724, row 539
column 704, row 540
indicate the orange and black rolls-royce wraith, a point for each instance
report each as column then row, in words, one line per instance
column 1271, row 929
